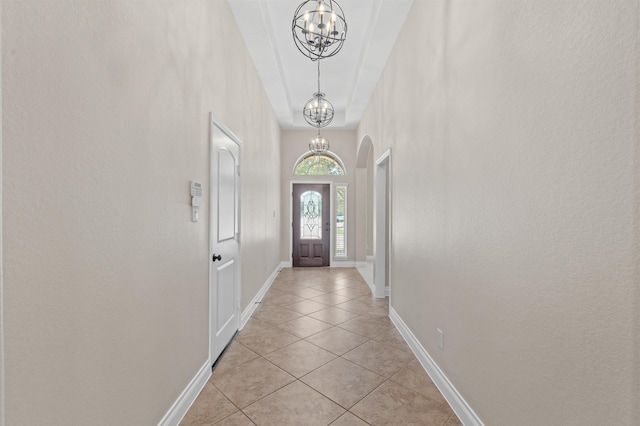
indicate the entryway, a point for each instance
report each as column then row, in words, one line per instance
column 311, row 224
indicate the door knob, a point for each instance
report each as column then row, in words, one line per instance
column 218, row 257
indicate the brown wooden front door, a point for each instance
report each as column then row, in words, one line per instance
column 311, row 224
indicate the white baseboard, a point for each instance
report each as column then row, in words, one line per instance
column 285, row 265
column 191, row 392
column 187, row 397
column 367, row 276
column 246, row 314
column 343, row 264
column 458, row 404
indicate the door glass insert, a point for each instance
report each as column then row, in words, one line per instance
column 311, row 215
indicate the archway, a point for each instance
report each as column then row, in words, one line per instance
column 365, row 209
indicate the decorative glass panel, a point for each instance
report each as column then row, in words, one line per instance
column 318, row 165
column 341, row 221
column 311, row 215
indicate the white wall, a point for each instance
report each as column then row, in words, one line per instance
column 370, row 245
column 1, row 267
column 294, row 144
column 514, row 136
column 106, row 108
column 364, row 200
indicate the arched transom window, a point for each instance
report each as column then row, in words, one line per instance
column 319, row 165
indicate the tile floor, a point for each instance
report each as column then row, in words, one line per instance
column 319, row 350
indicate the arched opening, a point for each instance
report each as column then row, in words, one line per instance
column 365, row 208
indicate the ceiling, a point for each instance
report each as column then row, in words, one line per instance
column 347, row 79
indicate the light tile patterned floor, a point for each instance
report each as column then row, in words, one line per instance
column 319, row 350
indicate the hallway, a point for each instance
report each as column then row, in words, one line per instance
column 318, row 351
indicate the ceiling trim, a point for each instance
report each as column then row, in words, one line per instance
column 263, row 23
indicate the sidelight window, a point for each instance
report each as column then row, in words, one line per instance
column 341, row 220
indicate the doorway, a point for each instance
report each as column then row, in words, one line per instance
column 224, row 238
column 382, row 225
column 311, row 224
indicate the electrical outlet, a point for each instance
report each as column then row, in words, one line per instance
column 440, row 339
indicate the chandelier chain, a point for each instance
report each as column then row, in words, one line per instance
column 318, row 76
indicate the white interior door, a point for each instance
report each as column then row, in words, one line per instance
column 224, row 235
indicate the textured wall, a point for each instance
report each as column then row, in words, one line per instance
column 514, row 136
column 1, row 280
column 106, row 109
column 295, row 143
column 371, row 165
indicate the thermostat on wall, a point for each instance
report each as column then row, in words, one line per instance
column 196, row 189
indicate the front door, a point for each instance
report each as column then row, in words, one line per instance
column 311, row 224
column 224, row 293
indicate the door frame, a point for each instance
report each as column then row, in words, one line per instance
column 331, row 215
column 238, row 288
column 382, row 227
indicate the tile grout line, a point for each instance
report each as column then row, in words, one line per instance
column 282, row 292
column 298, row 379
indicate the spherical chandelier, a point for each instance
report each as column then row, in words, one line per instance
column 319, row 144
column 318, row 111
column 319, row 28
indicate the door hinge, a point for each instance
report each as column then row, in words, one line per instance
column 238, row 169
